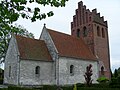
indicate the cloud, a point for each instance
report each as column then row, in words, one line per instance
column 115, row 64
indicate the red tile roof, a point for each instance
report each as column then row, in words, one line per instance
column 32, row 49
column 71, row 46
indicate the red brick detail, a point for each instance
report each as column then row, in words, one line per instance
column 98, row 45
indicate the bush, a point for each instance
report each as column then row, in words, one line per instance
column 49, row 87
column 1, row 80
column 115, row 82
column 93, row 88
column 67, row 87
column 3, row 89
column 80, row 85
column 18, row 88
column 102, row 80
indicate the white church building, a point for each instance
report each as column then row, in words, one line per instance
column 54, row 59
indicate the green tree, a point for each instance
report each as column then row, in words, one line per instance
column 11, row 10
column 118, row 71
column 115, row 73
column 4, row 39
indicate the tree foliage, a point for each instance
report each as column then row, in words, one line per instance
column 11, row 10
column 88, row 75
column 115, row 73
column 6, row 35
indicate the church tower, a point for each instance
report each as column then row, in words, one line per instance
column 92, row 28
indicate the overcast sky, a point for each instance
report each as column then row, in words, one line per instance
column 110, row 9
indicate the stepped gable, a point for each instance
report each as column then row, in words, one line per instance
column 84, row 16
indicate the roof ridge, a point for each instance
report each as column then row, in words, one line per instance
column 63, row 33
column 59, row 38
column 29, row 38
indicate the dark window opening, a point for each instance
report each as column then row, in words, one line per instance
column 9, row 71
column 103, row 33
column 78, row 32
column 84, row 32
column 71, row 69
column 37, row 70
column 89, row 18
column 86, row 17
column 102, row 70
column 98, row 31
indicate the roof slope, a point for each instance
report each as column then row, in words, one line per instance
column 32, row 49
column 71, row 46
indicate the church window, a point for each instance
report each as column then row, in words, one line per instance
column 78, row 32
column 9, row 71
column 37, row 70
column 98, row 31
column 89, row 18
column 103, row 33
column 83, row 16
column 86, row 17
column 71, row 70
column 102, row 70
column 84, row 32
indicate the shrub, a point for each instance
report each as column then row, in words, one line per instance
column 67, row 87
column 1, row 80
column 93, row 88
column 102, row 80
column 18, row 88
column 80, row 85
column 115, row 82
column 49, row 87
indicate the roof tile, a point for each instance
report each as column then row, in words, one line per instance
column 32, row 49
column 71, row 46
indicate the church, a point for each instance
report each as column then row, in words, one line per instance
column 57, row 58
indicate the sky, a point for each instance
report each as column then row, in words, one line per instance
column 110, row 9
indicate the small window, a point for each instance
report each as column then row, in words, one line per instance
column 9, row 71
column 86, row 17
column 103, row 33
column 98, row 31
column 78, row 32
column 84, row 32
column 89, row 18
column 102, row 71
column 37, row 70
column 71, row 70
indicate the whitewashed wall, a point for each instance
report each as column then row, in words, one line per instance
column 28, row 76
column 79, row 70
column 12, row 59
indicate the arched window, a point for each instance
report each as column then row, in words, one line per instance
column 71, row 69
column 78, row 32
column 103, row 33
column 84, row 32
column 9, row 71
column 102, row 70
column 98, row 31
column 86, row 17
column 37, row 70
column 83, row 16
column 89, row 18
